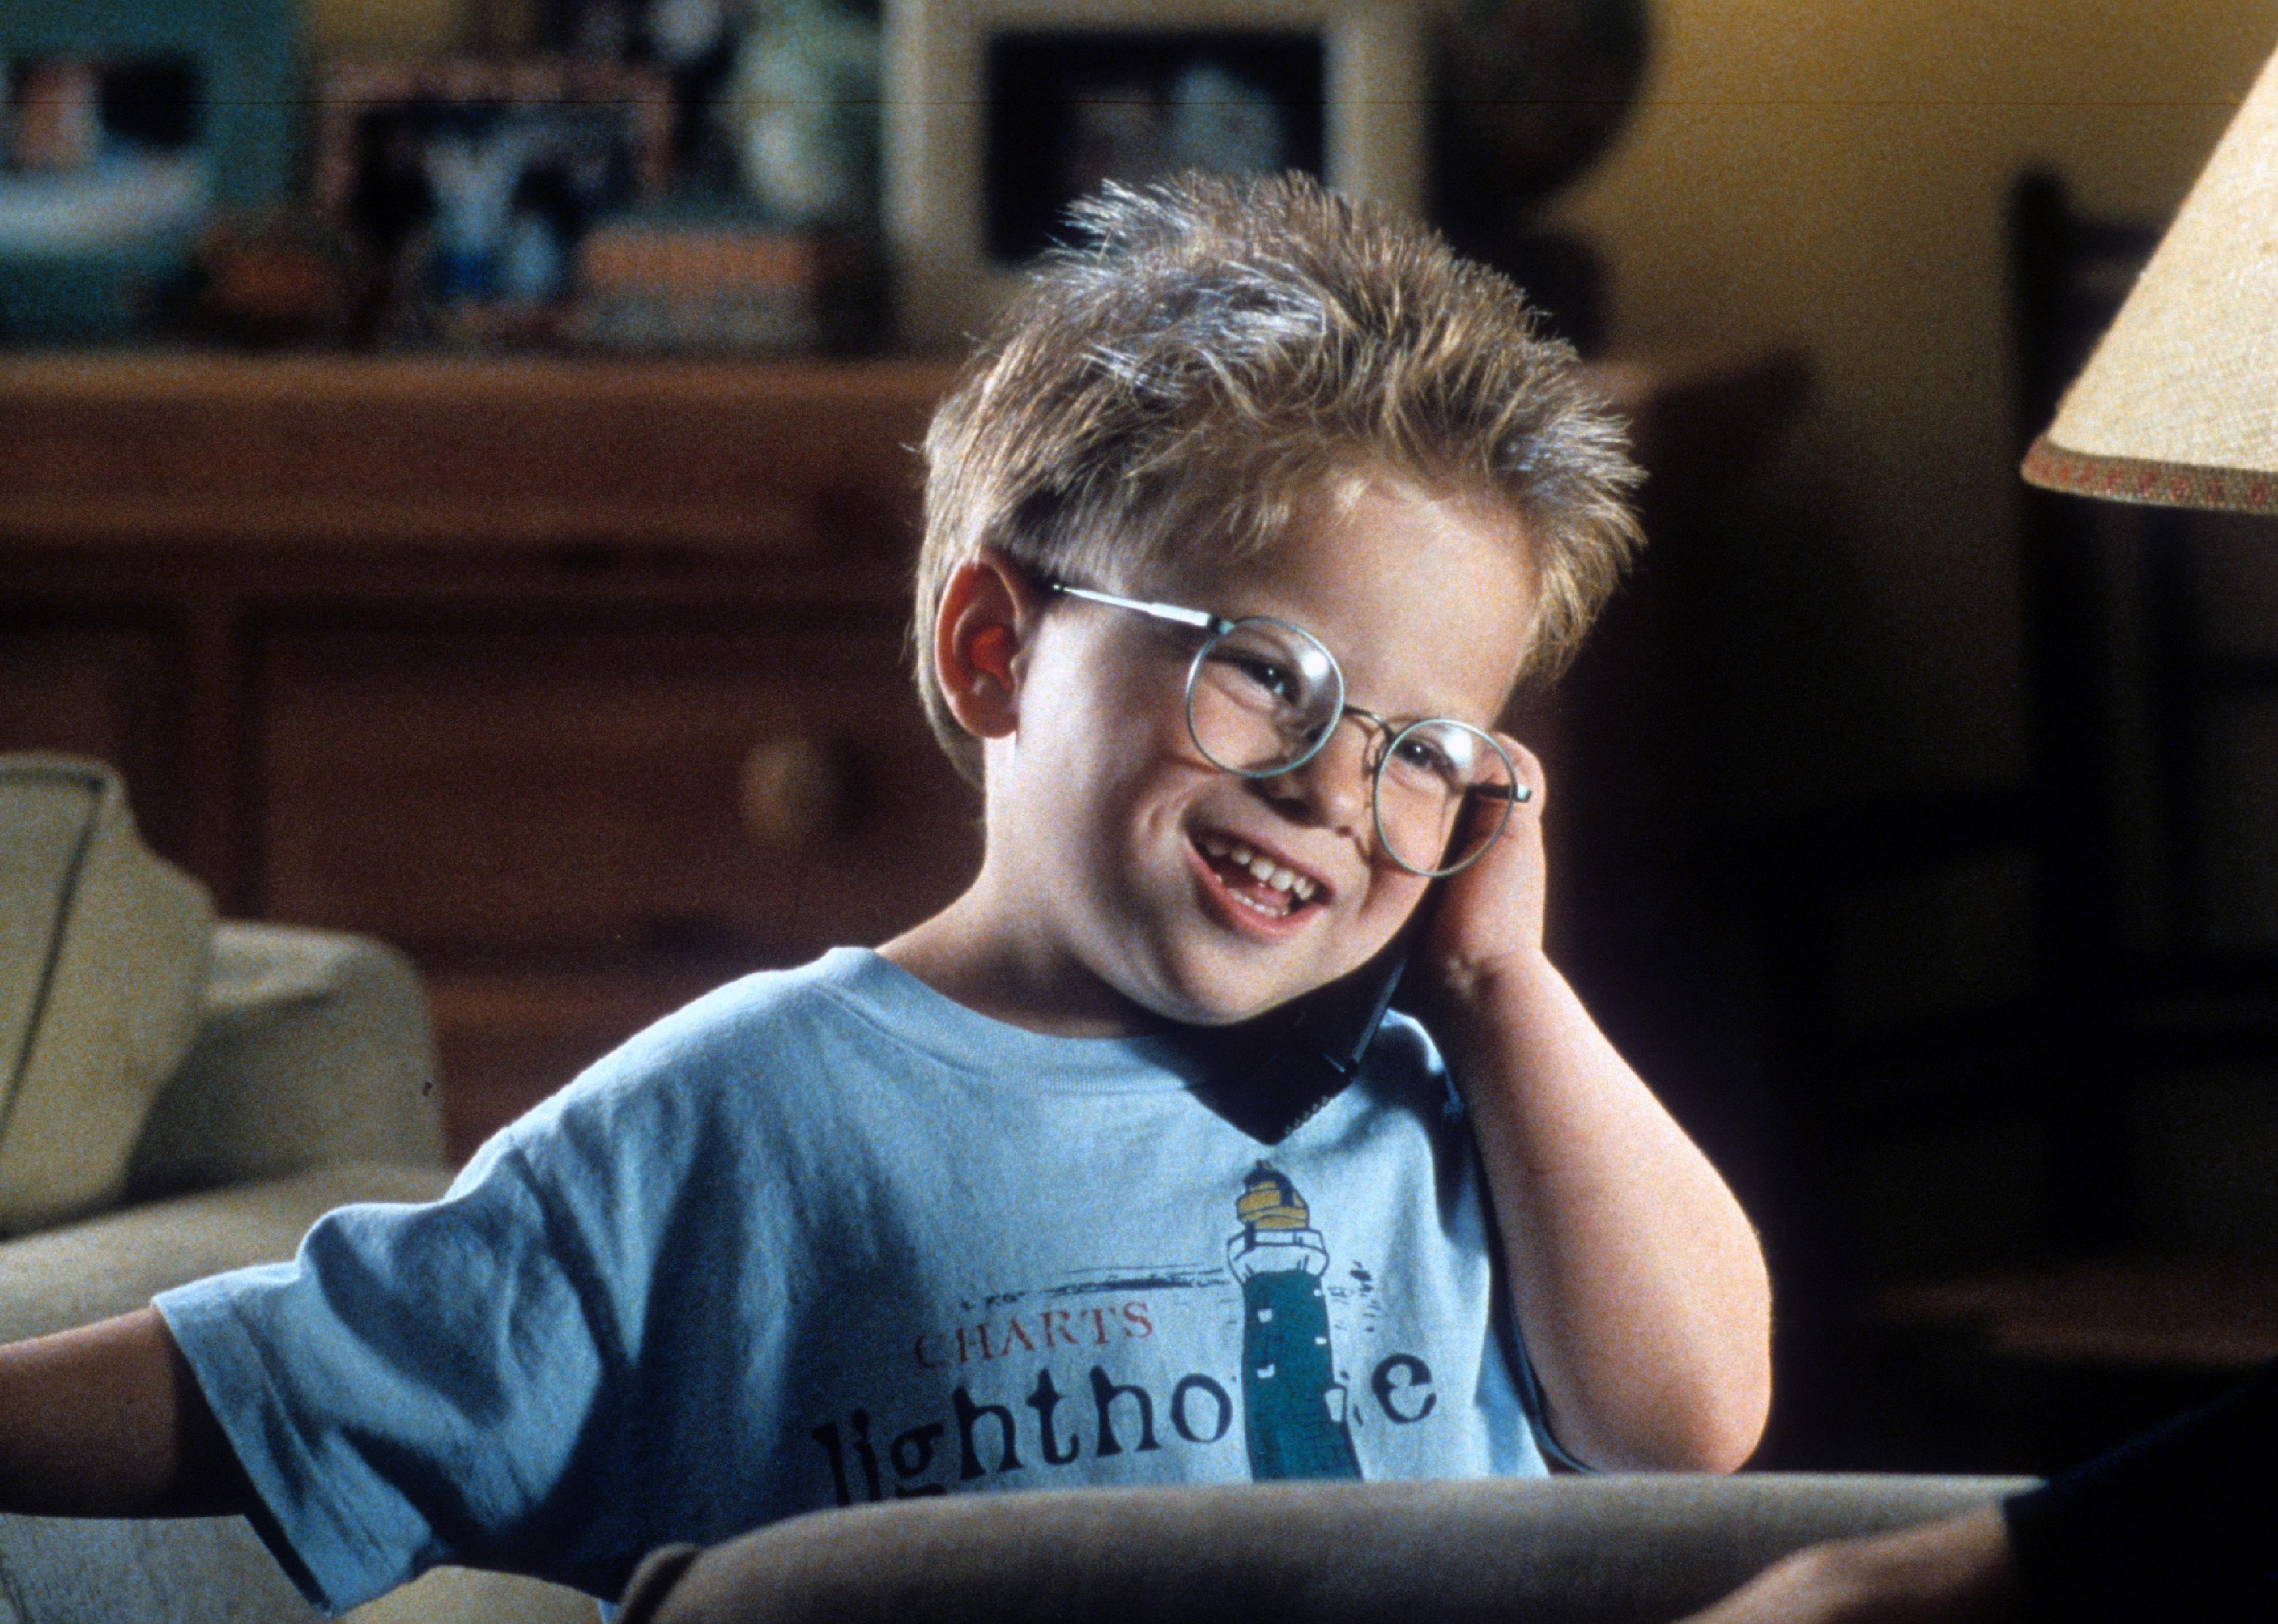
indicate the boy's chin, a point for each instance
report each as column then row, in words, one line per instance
column 1224, row 1000
column 1219, row 1017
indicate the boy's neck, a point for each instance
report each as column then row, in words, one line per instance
column 961, row 954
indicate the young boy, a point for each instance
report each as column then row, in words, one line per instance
column 1238, row 535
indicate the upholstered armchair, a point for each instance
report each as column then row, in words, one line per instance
column 180, row 1097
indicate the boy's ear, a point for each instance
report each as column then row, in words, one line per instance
column 988, row 610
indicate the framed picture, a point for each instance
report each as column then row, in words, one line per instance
column 691, row 43
column 470, row 184
column 999, row 113
column 125, row 125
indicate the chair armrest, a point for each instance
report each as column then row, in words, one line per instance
column 103, row 951
column 82, row 1272
column 314, row 1046
column 1597, row 1550
column 175, row 1570
column 62, row 1570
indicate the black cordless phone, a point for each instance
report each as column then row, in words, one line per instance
column 1286, row 1064
column 1276, row 1071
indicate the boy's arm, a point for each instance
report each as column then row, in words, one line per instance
column 106, row 1421
column 1638, row 1279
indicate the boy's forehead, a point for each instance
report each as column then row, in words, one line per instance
column 1426, row 597
column 1358, row 528
column 1335, row 516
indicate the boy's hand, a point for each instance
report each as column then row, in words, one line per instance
column 1491, row 913
column 1636, row 1276
column 1960, row 1571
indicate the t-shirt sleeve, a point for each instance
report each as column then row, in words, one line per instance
column 413, row 1387
column 2180, row 1524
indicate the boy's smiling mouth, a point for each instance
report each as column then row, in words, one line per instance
column 1256, row 882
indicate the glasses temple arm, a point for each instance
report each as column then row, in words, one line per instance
column 1200, row 618
column 1517, row 793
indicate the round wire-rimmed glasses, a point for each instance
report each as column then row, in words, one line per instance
column 1263, row 696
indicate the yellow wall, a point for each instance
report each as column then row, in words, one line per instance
column 384, row 27
column 1833, row 172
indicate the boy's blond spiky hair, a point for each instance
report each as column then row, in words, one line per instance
column 1213, row 352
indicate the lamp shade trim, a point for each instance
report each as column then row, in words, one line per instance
column 2136, row 479
column 2179, row 402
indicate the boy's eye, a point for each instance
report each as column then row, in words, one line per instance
column 1420, row 754
column 1258, row 678
column 1261, row 663
column 1443, row 757
column 1277, row 680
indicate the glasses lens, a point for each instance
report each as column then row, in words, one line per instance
column 1443, row 793
column 1261, row 697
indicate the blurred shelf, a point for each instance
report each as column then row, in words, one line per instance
column 502, row 658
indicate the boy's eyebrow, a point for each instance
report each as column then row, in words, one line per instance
column 1441, row 709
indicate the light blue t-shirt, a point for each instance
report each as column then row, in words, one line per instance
column 826, row 1237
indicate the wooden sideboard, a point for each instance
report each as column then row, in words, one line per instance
column 584, row 681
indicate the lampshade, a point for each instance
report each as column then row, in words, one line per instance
column 2179, row 404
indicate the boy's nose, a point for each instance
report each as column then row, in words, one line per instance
column 1330, row 789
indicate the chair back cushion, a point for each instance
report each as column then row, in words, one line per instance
column 315, row 1048
column 102, row 960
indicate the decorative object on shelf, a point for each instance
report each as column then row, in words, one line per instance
column 272, row 282
column 125, row 126
column 726, row 288
column 801, row 110
column 691, row 43
column 999, row 112
column 469, row 184
column 1068, row 112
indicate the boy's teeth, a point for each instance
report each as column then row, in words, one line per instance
column 1264, row 870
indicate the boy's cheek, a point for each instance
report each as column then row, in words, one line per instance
column 1396, row 896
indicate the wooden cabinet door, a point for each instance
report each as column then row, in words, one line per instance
column 764, row 789
column 103, row 690
column 574, row 828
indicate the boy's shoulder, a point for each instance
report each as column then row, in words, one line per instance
column 849, row 1030
column 850, row 998
column 746, row 1047
column 769, row 1006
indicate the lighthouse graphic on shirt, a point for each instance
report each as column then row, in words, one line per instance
column 1293, row 1405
